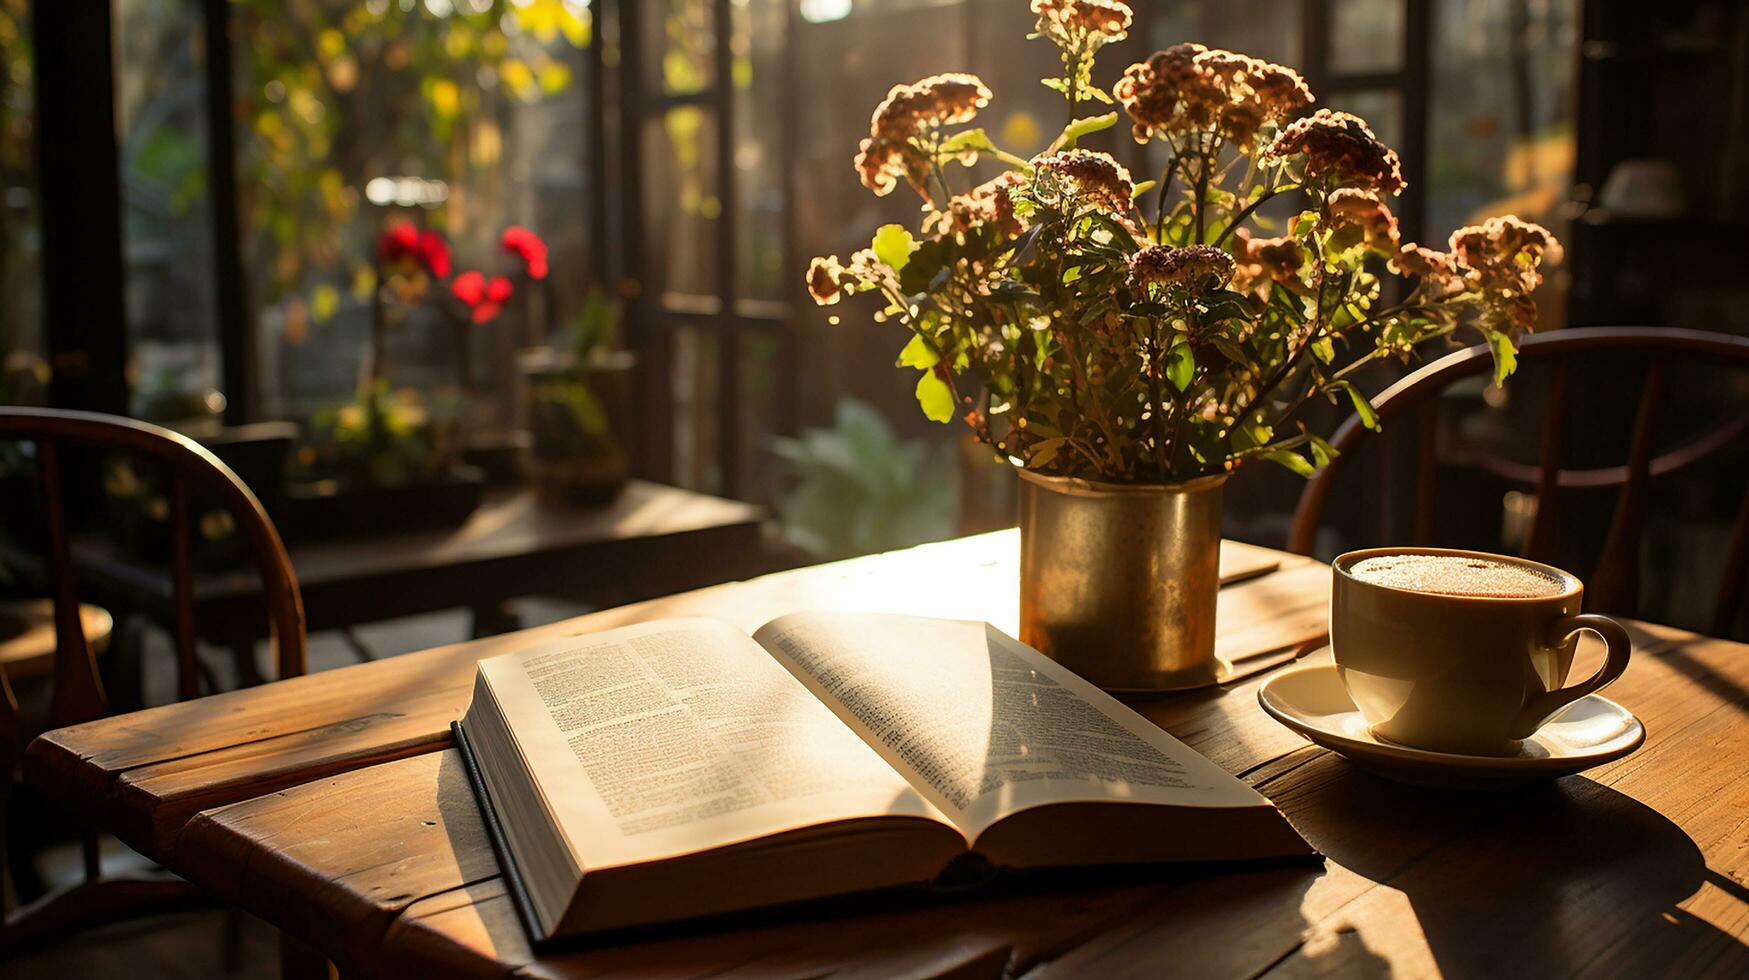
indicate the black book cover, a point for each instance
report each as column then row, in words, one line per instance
column 500, row 844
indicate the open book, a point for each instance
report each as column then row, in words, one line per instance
column 680, row 768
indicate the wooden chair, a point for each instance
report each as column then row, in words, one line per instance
column 1615, row 583
column 78, row 694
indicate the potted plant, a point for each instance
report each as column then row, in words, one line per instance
column 577, row 404
column 858, row 488
column 1127, row 345
column 391, row 457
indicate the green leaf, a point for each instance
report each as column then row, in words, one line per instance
column 927, row 267
column 1293, row 461
column 1325, row 349
column 935, row 397
column 1045, row 451
column 1302, row 223
column 1230, row 349
column 978, row 141
column 1250, row 435
column 1505, row 357
column 975, row 140
column 1055, row 84
column 1143, row 188
column 917, row 355
column 1082, row 127
column 1180, row 366
column 1322, row 452
column 892, row 245
column 1369, row 416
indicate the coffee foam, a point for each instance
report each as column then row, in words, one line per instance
column 1462, row 575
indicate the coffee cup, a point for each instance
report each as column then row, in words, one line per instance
column 1461, row 651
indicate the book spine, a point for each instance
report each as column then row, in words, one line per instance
column 500, row 844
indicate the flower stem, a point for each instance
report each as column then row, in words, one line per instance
column 1239, row 218
column 1160, row 200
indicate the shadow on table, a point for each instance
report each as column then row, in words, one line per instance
column 1542, row 882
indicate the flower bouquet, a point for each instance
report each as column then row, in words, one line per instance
column 1109, row 336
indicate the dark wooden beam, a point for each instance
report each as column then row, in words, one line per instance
column 595, row 153
column 652, row 454
column 237, row 336
column 728, row 220
column 1417, row 92
column 79, row 187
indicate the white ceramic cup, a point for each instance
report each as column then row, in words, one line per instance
column 1474, row 675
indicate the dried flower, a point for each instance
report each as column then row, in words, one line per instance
column 1435, row 266
column 1072, row 24
column 988, row 205
column 910, row 113
column 1280, row 89
column 1502, row 257
column 527, row 246
column 1189, row 87
column 824, row 280
column 1084, row 177
column 830, row 280
column 1507, row 241
column 1198, row 267
column 1265, row 259
column 1368, row 212
column 1340, row 146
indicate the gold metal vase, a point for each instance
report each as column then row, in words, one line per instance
column 1118, row 582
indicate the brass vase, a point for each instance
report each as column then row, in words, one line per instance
column 1118, row 582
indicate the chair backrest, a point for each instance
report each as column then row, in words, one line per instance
column 78, row 693
column 1615, row 583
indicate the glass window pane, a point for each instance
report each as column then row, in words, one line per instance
column 680, row 44
column 759, row 413
column 845, row 69
column 1502, row 135
column 23, row 365
column 693, row 379
column 460, row 116
column 757, row 45
column 161, row 131
column 681, row 207
column 1261, row 28
column 1366, row 36
column 1381, row 108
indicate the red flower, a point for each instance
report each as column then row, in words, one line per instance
column 398, row 242
column 527, row 245
column 403, row 246
column 484, row 298
column 434, row 254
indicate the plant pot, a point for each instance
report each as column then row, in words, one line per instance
column 331, row 509
column 585, row 481
column 502, row 457
column 575, row 413
column 1118, row 582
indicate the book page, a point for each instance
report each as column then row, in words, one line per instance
column 984, row 725
column 667, row 738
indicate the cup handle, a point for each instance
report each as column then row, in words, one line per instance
column 1543, row 706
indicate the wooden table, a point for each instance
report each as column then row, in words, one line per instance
column 334, row 807
column 652, row 540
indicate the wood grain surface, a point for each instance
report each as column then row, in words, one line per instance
column 334, row 807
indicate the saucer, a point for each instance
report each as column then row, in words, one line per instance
column 1311, row 700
